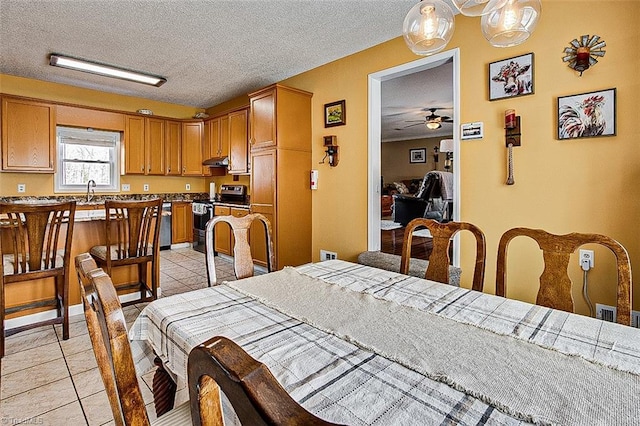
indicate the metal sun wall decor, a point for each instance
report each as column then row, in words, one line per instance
column 582, row 53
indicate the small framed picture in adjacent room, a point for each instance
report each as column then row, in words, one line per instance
column 335, row 114
column 512, row 77
column 418, row 155
column 587, row 115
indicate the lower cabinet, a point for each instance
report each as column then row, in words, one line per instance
column 223, row 237
column 181, row 222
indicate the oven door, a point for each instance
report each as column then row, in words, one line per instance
column 201, row 215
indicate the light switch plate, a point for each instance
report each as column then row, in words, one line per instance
column 22, row 187
column 145, row 187
column 126, row 187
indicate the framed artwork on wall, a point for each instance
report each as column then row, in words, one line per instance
column 418, row 155
column 587, row 115
column 335, row 114
column 512, row 77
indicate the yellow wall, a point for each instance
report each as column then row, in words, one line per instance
column 583, row 185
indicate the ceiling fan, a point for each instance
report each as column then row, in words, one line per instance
column 433, row 121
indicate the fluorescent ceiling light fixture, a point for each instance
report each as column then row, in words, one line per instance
column 105, row 70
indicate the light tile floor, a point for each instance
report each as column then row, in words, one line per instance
column 49, row 381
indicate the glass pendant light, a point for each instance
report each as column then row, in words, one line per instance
column 477, row 7
column 512, row 24
column 428, row 27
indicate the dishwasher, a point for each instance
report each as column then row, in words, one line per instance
column 165, row 227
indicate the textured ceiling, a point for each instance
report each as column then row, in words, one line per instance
column 209, row 51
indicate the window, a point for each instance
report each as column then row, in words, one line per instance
column 85, row 154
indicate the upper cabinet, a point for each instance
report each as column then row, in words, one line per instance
column 192, row 149
column 144, row 141
column 263, row 119
column 172, row 148
column 28, row 136
column 215, row 142
column 238, row 142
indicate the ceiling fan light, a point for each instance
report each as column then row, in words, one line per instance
column 433, row 125
column 477, row 7
column 428, row 27
column 512, row 24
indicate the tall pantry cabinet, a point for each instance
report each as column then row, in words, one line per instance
column 280, row 141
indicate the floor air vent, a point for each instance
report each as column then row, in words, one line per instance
column 606, row 312
column 635, row 319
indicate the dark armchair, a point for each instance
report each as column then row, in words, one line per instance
column 434, row 200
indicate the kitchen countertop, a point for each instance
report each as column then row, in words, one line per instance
column 94, row 209
column 98, row 200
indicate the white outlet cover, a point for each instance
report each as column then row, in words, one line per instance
column 145, row 187
column 22, row 187
column 126, row 187
column 188, row 187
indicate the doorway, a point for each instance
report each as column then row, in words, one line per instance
column 389, row 76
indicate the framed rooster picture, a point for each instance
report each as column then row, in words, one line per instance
column 587, row 115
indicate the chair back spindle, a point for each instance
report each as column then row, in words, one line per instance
column 555, row 283
column 439, row 259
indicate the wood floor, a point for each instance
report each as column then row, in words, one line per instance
column 391, row 242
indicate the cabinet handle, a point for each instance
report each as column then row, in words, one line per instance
column 142, row 168
column 149, row 169
column 169, row 170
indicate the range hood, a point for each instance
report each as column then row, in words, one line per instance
column 216, row 162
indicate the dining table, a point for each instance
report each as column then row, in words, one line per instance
column 358, row 345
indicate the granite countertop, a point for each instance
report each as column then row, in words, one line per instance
column 94, row 209
column 98, row 200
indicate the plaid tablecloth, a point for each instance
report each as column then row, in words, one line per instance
column 343, row 383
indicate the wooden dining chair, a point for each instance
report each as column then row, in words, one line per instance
column 35, row 243
column 555, row 284
column 242, row 259
column 439, row 259
column 132, row 230
column 110, row 341
column 220, row 365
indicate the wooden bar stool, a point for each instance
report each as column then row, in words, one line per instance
column 132, row 238
column 35, row 243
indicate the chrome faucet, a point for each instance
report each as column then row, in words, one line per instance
column 90, row 191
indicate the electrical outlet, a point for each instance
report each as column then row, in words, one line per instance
column 328, row 255
column 126, row 187
column 587, row 255
column 145, row 187
column 188, row 187
column 22, row 187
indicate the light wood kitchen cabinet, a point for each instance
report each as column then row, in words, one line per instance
column 144, row 140
column 181, row 222
column 28, row 136
column 280, row 166
column 172, row 148
column 192, row 149
column 215, row 139
column 224, row 241
column 238, row 142
column 263, row 119
column 222, row 232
